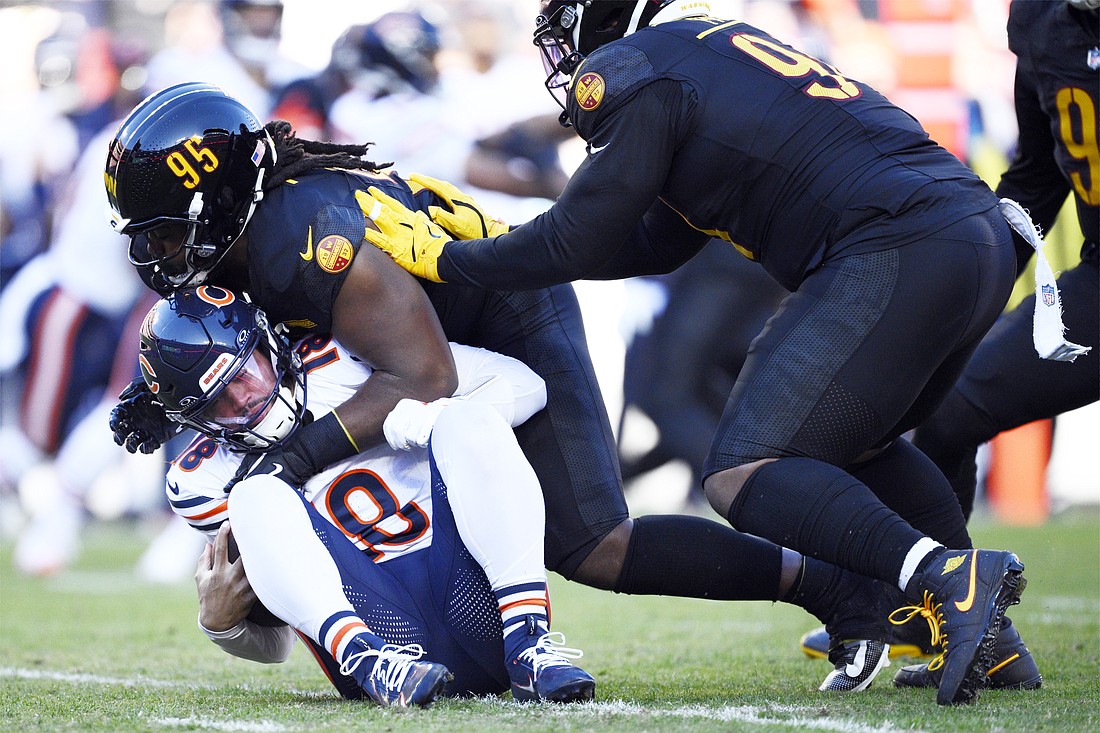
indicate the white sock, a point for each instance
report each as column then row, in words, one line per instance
column 924, row 547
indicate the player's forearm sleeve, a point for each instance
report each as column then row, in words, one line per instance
column 247, row 640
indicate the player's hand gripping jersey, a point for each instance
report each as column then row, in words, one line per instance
column 381, row 499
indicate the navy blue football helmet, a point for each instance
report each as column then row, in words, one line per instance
column 184, row 174
column 216, row 365
column 394, row 53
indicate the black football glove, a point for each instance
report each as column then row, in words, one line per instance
column 138, row 420
column 311, row 449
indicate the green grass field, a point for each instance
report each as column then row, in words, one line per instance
column 96, row 650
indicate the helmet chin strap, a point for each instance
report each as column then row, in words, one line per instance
column 277, row 423
column 579, row 10
column 198, row 274
column 205, row 249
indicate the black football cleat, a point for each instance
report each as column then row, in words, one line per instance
column 1013, row 666
column 964, row 594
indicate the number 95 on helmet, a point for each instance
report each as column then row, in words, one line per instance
column 184, row 173
column 217, row 366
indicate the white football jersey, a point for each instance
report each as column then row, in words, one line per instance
column 381, row 499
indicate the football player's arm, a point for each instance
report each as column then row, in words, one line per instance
column 225, row 601
column 1033, row 179
column 505, row 384
column 600, row 209
column 660, row 243
column 383, row 316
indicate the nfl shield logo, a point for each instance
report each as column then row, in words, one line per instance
column 1048, row 294
column 1093, row 59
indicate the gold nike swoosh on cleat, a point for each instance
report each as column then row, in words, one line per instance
column 967, row 602
column 308, row 254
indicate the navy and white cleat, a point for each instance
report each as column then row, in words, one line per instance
column 543, row 671
column 394, row 676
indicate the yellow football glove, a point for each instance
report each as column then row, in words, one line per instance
column 409, row 237
column 465, row 220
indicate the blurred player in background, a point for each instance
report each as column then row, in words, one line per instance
column 429, row 546
column 708, row 325
column 306, row 103
column 421, row 104
column 66, row 311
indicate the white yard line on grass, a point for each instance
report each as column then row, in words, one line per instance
column 802, row 717
column 259, row 726
column 36, row 674
column 808, row 718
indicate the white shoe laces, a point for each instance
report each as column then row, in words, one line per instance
column 391, row 676
column 549, row 651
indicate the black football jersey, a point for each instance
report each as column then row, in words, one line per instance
column 715, row 127
column 1057, row 49
column 303, row 238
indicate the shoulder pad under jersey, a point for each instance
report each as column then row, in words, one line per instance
column 608, row 75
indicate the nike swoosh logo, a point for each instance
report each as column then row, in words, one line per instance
column 529, row 687
column 277, row 471
column 967, row 602
column 855, row 667
column 308, row 254
column 592, row 149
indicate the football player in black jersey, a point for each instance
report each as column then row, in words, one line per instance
column 1057, row 45
column 208, row 194
column 896, row 255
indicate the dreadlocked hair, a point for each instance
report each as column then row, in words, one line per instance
column 295, row 157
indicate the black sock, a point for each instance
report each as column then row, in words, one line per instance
column 908, row 482
column 839, row 599
column 814, row 586
column 819, row 510
column 696, row 558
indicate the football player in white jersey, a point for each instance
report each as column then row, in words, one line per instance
column 430, row 547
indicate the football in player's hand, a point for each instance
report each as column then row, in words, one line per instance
column 231, row 548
